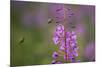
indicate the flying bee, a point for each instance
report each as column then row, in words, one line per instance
column 21, row 40
column 50, row 21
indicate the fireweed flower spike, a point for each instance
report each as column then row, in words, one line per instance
column 67, row 43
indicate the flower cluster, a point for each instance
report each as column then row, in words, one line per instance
column 67, row 43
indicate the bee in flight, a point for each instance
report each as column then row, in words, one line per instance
column 50, row 20
column 21, row 40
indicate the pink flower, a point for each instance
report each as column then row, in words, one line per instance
column 67, row 41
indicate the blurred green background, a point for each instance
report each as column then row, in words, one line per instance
column 31, row 35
